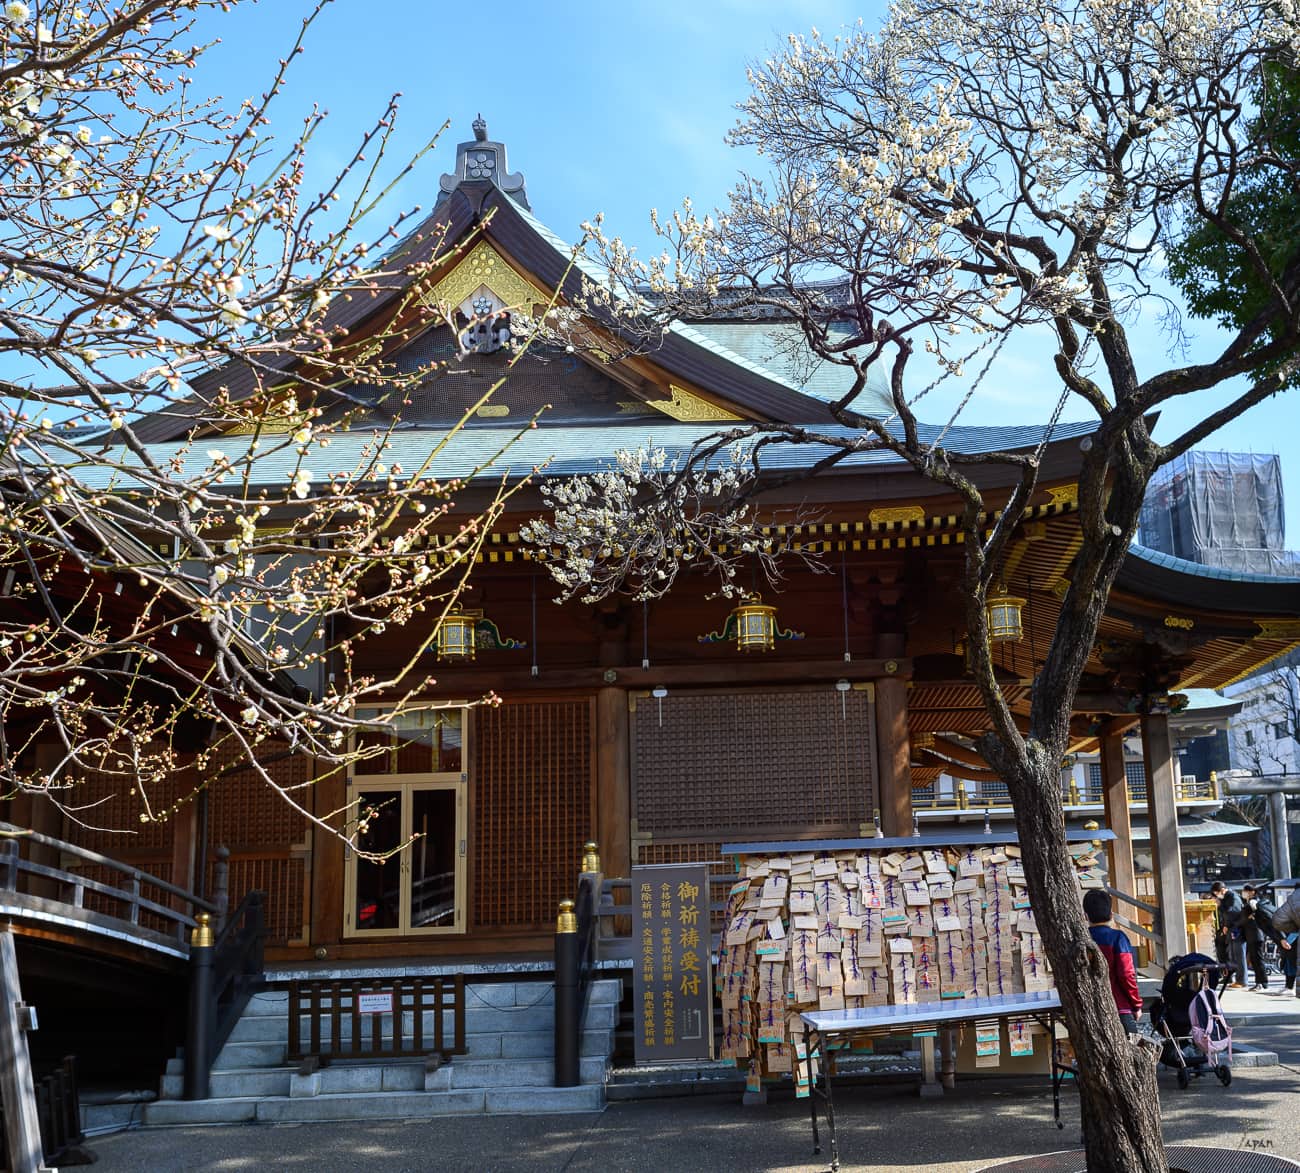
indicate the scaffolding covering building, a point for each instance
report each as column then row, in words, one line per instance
column 1222, row 509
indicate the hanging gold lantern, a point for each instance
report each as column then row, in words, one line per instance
column 755, row 625
column 456, row 635
column 1004, row 616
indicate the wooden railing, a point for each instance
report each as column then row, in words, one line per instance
column 24, row 884
column 225, row 972
column 1153, row 935
column 576, row 952
column 368, row 1019
column 994, row 796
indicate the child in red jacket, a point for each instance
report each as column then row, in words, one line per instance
column 1115, row 947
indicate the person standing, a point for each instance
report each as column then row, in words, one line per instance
column 1256, row 926
column 1118, row 953
column 1229, row 916
column 1286, row 922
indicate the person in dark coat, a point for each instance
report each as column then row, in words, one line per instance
column 1256, row 926
column 1228, row 919
column 1286, row 921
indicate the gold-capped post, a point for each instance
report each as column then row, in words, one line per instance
column 202, row 933
column 590, row 857
column 567, row 921
column 1093, row 825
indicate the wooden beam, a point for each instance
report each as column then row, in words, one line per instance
column 959, row 753
column 475, row 681
column 957, row 769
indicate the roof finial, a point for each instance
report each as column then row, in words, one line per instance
column 483, row 160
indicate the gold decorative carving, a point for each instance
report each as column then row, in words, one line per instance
column 485, row 266
column 1064, row 494
column 1180, row 621
column 1278, row 628
column 493, row 410
column 897, row 513
column 688, row 408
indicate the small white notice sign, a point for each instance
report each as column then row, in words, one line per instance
column 375, row 1003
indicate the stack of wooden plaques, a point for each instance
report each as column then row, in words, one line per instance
column 848, row 929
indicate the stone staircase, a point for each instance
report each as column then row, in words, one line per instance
column 509, row 1070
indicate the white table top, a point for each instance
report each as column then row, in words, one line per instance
column 929, row 1013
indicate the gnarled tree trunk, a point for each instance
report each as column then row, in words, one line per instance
column 1119, row 1098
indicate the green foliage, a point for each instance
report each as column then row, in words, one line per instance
column 1219, row 277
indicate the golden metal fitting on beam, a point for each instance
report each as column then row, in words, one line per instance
column 202, row 934
column 567, row 921
column 590, row 857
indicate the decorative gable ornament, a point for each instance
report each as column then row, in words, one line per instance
column 484, row 161
column 484, row 273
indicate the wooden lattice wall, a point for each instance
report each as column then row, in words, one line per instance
column 267, row 838
column 127, row 821
column 722, row 872
column 533, row 806
column 123, row 818
column 753, row 764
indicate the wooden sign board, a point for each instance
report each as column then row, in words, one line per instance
column 672, row 980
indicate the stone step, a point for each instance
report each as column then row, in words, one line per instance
column 505, row 1073
column 274, row 1028
column 225, row 1085
column 395, row 1105
column 534, row 1044
column 501, row 995
column 539, row 1044
column 234, row 1056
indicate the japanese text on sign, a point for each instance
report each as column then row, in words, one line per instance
column 672, row 988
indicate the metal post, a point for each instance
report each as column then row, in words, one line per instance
column 566, row 997
column 200, row 1029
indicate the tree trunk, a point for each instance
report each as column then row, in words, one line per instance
column 1119, row 1098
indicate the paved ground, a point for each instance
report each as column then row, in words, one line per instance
column 881, row 1128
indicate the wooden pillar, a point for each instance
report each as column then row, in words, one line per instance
column 1114, row 796
column 330, row 795
column 1162, row 813
column 184, row 825
column 17, row 1092
column 613, row 782
column 894, row 754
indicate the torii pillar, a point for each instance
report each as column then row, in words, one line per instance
column 1162, row 813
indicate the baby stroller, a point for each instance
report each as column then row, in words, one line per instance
column 1197, row 1038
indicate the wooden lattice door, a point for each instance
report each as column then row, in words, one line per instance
column 534, row 803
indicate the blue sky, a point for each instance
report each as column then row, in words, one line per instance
column 618, row 109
